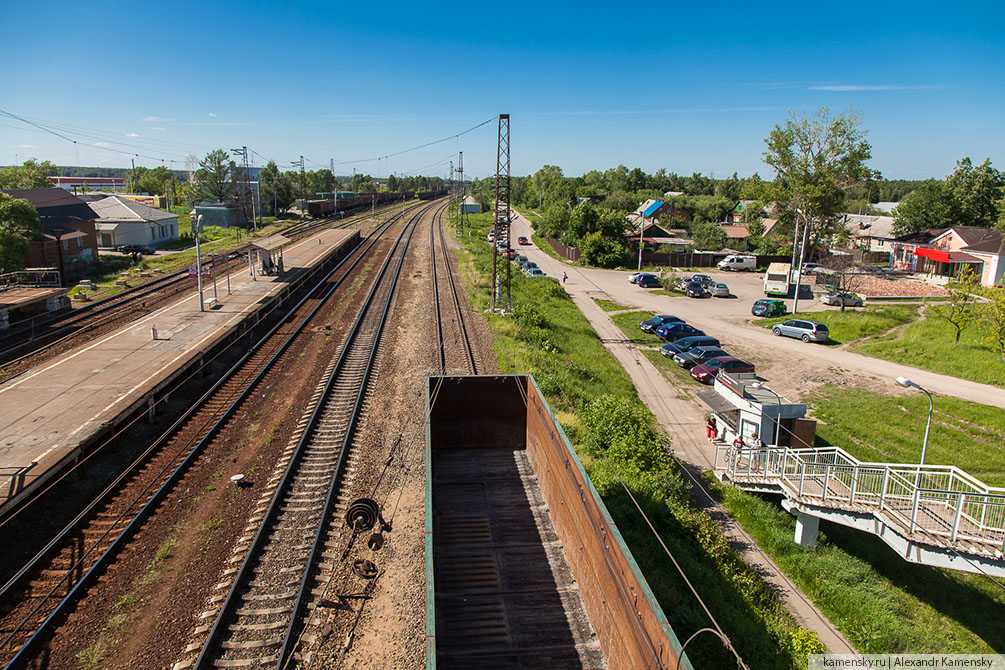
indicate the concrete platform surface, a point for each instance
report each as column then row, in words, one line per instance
column 48, row 412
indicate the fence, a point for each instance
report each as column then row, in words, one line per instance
column 937, row 500
column 37, row 277
column 563, row 250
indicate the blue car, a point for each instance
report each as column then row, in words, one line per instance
column 687, row 343
column 675, row 331
column 649, row 281
column 649, row 325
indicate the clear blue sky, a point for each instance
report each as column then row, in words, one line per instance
column 691, row 87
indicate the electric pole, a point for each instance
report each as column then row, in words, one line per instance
column 248, row 193
column 303, row 185
column 502, row 213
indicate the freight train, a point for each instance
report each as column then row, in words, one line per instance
column 320, row 209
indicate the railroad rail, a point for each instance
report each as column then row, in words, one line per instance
column 30, row 342
column 260, row 619
column 463, row 338
column 40, row 593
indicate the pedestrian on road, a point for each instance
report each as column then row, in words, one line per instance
column 710, row 428
column 564, row 277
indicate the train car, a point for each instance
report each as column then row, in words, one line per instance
column 524, row 564
column 432, row 195
column 319, row 209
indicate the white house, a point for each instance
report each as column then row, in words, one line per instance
column 741, row 409
column 871, row 233
column 121, row 221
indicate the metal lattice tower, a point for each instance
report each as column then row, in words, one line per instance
column 502, row 215
column 460, row 186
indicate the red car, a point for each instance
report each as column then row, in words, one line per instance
column 707, row 371
column 522, row 240
column 509, row 254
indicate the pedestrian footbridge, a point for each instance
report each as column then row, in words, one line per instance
column 931, row 514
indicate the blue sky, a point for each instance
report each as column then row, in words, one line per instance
column 692, row 88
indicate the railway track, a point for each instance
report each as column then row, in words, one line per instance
column 33, row 342
column 456, row 313
column 44, row 590
column 304, row 516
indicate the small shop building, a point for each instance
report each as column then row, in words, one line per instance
column 742, row 409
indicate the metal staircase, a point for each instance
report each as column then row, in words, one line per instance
column 932, row 514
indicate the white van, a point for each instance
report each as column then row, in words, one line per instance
column 776, row 279
column 737, row 263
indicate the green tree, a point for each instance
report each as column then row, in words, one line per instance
column 708, row 236
column 214, row 181
column 993, row 321
column 31, row 174
column 600, row 252
column 959, row 310
column 277, row 189
column 392, row 184
column 18, row 227
column 931, row 205
column 976, row 191
column 815, row 159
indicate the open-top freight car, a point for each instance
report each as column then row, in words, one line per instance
column 524, row 565
column 320, row 209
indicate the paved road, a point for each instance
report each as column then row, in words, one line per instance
column 788, row 365
column 682, row 417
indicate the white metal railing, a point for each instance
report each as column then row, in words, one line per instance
column 939, row 500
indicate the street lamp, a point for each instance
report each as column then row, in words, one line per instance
column 907, row 383
column 778, row 399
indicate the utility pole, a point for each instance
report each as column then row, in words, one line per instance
column 502, row 212
column 248, row 193
column 132, row 176
column 332, row 170
column 303, row 185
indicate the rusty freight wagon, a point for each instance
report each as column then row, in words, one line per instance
column 524, row 566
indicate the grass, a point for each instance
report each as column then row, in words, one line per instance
column 880, row 602
column 875, row 427
column 928, row 345
column 629, row 322
column 854, row 324
column 608, row 305
column 549, row 338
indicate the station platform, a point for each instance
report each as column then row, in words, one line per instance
column 53, row 414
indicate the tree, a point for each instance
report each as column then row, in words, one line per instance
column 31, row 174
column 18, row 227
column 392, row 184
column 959, row 309
column 815, row 159
column 600, row 252
column 842, row 274
column 277, row 189
column 993, row 321
column 976, row 191
column 215, row 179
column 708, row 236
column 931, row 205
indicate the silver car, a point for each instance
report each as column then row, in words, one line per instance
column 835, row 298
column 719, row 290
column 807, row 331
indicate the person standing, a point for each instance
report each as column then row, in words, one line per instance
column 710, row 427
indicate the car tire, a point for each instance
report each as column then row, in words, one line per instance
column 777, row 332
column 805, row 338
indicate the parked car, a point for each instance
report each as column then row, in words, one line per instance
column 633, row 278
column 491, row 237
column 704, row 280
column 807, row 331
column 649, row 325
column 520, row 260
column 135, row 249
column 528, row 266
column 522, row 240
column 649, row 281
column 720, row 290
column 670, row 349
column 535, row 272
column 767, row 307
column 810, row 268
column 674, row 331
column 737, row 262
column 707, row 371
column 696, row 290
column 836, row 298
column 509, row 254
column 697, row 355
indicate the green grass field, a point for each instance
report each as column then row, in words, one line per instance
column 928, row 345
column 854, row 323
column 547, row 337
column 875, row 427
column 608, row 305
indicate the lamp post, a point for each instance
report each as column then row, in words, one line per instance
column 198, row 260
column 907, row 383
column 778, row 399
